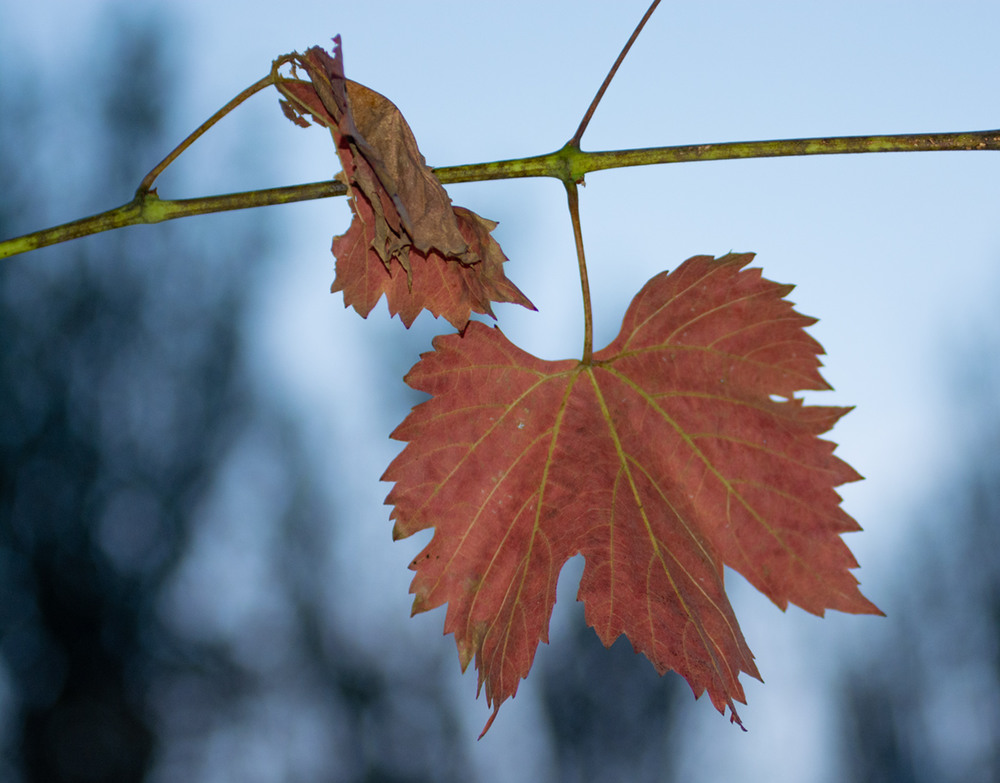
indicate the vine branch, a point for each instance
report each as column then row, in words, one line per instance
column 567, row 164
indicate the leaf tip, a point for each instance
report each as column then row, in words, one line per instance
column 419, row 605
column 867, row 607
column 496, row 710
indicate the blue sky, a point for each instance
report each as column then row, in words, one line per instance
column 896, row 254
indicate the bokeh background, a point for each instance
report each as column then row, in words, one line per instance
column 197, row 579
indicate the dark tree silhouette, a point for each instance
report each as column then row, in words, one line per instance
column 611, row 715
column 125, row 397
column 119, row 392
column 924, row 704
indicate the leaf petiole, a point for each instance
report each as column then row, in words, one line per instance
column 573, row 196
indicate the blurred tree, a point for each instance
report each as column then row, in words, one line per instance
column 610, row 713
column 126, row 410
column 924, row 704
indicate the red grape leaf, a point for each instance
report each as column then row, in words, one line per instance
column 665, row 459
column 406, row 240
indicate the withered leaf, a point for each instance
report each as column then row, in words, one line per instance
column 406, row 241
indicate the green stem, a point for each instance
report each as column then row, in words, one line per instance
column 567, row 164
column 573, row 164
column 838, row 145
column 150, row 208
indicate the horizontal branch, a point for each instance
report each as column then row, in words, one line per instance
column 568, row 164
column 574, row 163
column 841, row 145
column 150, row 208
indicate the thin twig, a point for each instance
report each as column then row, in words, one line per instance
column 147, row 182
column 575, row 141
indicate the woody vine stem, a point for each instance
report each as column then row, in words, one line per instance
column 568, row 164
